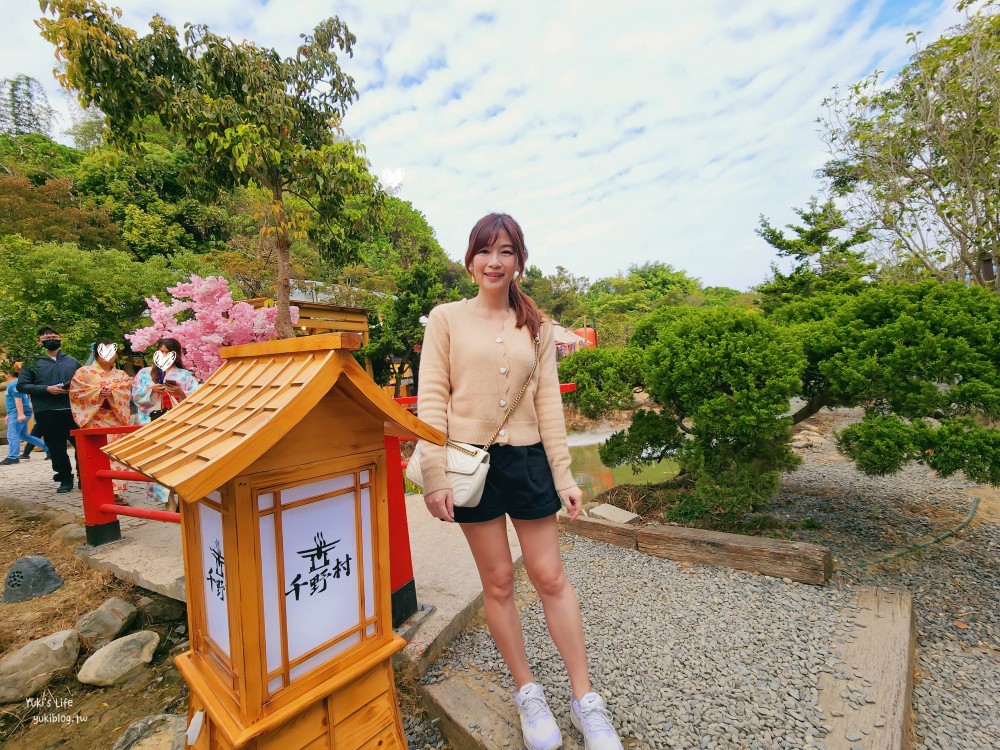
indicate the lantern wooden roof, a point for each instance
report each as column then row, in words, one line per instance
column 250, row 403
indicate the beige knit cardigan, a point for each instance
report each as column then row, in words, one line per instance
column 469, row 374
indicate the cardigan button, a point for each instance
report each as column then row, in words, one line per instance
column 503, row 402
column 499, row 340
column 503, row 432
column 503, row 370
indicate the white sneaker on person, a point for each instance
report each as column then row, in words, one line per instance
column 590, row 716
column 538, row 725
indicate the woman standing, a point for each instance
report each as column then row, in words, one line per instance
column 476, row 355
column 157, row 389
column 99, row 397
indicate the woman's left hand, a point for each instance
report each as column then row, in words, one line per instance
column 572, row 500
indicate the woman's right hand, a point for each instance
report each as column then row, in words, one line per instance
column 159, row 388
column 440, row 506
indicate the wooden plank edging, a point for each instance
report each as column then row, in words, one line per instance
column 799, row 561
column 875, row 669
column 600, row 530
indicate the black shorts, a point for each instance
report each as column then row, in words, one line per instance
column 519, row 484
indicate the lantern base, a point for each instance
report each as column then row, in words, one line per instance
column 357, row 709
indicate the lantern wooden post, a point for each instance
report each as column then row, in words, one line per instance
column 280, row 463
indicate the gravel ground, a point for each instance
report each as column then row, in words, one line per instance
column 690, row 656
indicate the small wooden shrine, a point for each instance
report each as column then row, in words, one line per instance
column 279, row 461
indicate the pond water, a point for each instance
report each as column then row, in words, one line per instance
column 594, row 477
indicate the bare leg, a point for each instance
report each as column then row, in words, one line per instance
column 540, row 547
column 488, row 542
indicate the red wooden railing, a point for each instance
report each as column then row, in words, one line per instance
column 100, row 512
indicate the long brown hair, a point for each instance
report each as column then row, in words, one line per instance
column 484, row 234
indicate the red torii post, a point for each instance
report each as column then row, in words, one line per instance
column 100, row 513
column 401, row 582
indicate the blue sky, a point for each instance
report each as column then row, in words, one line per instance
column 616, row 133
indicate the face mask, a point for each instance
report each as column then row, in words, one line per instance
column 51, row 344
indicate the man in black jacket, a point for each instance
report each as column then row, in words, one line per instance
column 47, row 382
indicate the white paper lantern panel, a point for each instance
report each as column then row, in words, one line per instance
column 213, row 560
column 321, row 570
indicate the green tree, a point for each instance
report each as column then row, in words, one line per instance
column 712, row 296
column 248, row 257
column 147, row 192
column 38, row 157
column 604, row 378
column 39, row 198
column 84, row 294
column 829, row 265
column 917, row 159
column 721, row 379
column 924, row 361
column 52, row 213
column 406, row 274
column 560, row 295
column 642, row 288
column 87, row 130
column 24, row 108
column 248, row 115
column 396, row 329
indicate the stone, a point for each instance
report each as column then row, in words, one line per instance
column 162, row 608
column 613, row 513
column 120, row 659
column 58, row 519
column 101, row 626
column 30, row 577
column 160, row 732
column 32, row 667
column 29, row 511
column 70, row 535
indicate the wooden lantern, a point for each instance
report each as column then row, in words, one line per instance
column 280, row 464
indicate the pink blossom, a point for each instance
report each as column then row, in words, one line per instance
column 211, row 320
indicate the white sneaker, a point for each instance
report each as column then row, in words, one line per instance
column 538, row 725
column 590, row 716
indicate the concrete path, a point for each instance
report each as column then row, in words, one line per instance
column 149, row 555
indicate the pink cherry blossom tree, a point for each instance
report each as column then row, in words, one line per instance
column 203, row 317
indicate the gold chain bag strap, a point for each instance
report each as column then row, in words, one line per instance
column 466, row 465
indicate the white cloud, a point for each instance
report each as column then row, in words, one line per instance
column 616, row 134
